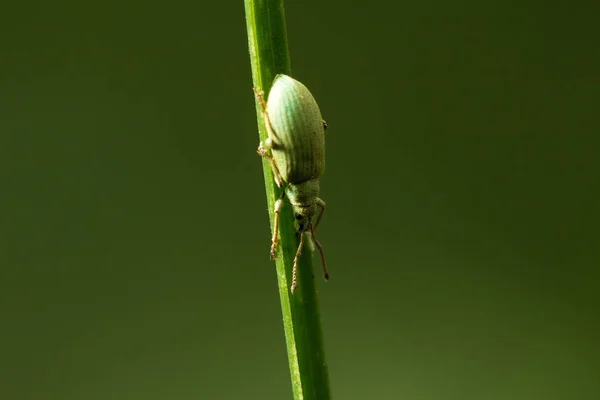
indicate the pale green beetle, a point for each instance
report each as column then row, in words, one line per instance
column 297, row 143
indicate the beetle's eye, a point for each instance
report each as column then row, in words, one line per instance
column 298, row 216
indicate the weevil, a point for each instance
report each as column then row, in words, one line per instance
column 295, row 149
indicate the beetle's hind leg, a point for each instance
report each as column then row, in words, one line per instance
column 271, row 141
column 260, row 97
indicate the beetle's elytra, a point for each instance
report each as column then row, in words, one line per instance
column 295, row 148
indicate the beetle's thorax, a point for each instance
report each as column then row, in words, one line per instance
column 303, row 194
column 303, row 197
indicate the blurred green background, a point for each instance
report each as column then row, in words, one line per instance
column 462, row 223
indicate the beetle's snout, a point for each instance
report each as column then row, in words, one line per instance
column 303, row 217
column 302, row 223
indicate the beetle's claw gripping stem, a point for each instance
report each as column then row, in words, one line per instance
column 262, row 151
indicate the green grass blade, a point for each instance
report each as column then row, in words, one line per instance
column 269, row 55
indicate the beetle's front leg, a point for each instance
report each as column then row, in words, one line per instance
column 295, row 267
column 321, row 204
column 275, row 238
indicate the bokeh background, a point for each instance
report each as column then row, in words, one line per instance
column 462, row 222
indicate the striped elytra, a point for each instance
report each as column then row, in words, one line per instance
column 297, row 127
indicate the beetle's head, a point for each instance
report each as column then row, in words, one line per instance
column 304, row 216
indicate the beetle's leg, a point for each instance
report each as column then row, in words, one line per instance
column 275, row 238
column 324, row 125
column 295, row 267
column 272, row 140
column 323, row 263
column 263, row 152
column 260, row 96
column 321, row 204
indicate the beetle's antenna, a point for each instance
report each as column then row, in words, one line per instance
column 295, row 267
column 323, row 263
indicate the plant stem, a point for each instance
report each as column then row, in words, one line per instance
column 267, row 42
